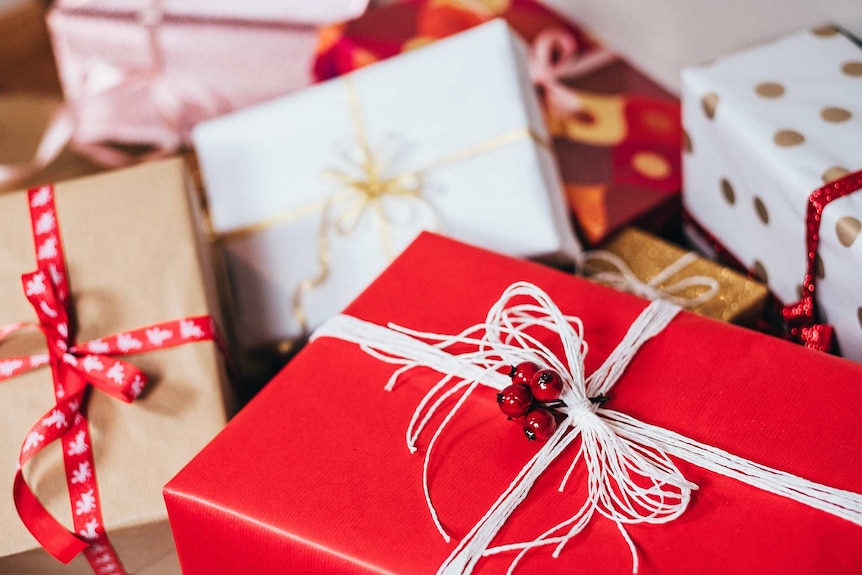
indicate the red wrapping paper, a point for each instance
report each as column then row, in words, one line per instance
column 314, row 476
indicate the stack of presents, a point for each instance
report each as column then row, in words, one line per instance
column 431, row 286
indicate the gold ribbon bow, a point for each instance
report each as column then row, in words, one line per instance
column 367, row 192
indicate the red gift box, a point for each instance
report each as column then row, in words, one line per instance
column 314, row 476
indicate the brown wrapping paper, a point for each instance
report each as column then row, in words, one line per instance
column 134, row 257
column 739, row 300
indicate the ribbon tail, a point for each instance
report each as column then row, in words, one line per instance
column 840, row 503
column 817, row 337
column 51, row 534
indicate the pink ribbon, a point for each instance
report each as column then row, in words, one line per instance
column 555, row 55
column 180, row 102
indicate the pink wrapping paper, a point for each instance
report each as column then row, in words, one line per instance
column 205, row 59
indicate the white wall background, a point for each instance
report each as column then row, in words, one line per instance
column 662, row 36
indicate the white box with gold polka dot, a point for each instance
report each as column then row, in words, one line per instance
column 765, row 128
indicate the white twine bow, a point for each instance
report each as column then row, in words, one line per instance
column 632, row 479
column 624, row 279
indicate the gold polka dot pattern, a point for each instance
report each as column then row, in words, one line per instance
column 825, row 31
column 769, row 90
column 852, row 68
column 762, row 212
column 759, row 271
column 787, row 138
column 835, row 114
column 710, row 104
column 834, row 173
column 727, row 192
column 847, row 229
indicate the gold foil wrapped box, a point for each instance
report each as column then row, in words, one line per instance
column 688, row 279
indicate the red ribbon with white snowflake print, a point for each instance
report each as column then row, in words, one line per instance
column 74, row 368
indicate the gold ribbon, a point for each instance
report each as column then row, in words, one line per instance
column 364, row 193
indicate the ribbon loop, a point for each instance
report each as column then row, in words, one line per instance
column 556, row 55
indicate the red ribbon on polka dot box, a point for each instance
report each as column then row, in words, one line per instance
column 128, row 400
column 772, row 167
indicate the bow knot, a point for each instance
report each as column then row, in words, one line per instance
column 555, row 55
column 77, row 366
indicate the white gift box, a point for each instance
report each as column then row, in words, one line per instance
column 456, row 129
column 766, row 128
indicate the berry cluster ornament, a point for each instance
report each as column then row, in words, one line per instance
column 531, row 397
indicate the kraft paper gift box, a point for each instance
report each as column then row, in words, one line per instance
column 315, row 475
column 323, row 186
column 639, row 262
column 765, row 129
column 618, row 149
column 144, row 71
column 134, row 258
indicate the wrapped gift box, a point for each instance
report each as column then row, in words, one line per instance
column 336, row 179
column 736, row 298
column 139, row 76
column 765, row 129
column 134, row 257
column 314, row 475
column 619, row 152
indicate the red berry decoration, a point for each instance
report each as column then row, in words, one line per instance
column 546, row 385
column 515, row 400
column 539, row 424
column 523, row 372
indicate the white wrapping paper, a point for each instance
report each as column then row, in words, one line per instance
column 766, row 128
column 453, row 96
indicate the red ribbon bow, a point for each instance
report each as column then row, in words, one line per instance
column 801, row 317
column 74, row 368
